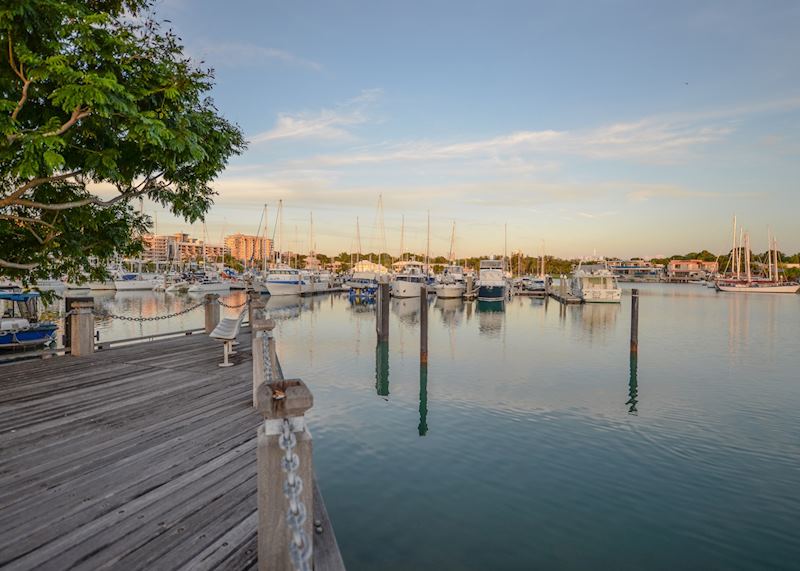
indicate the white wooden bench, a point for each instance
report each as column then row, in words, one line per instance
column 227, row 331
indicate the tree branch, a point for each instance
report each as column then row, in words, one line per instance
column 33, row 183
column 22, row 99
column 77, row 115
column 12, row 217
column 16, row 266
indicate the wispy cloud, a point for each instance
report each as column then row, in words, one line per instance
column 660, row 139
column 235, row 54
column 325, row 124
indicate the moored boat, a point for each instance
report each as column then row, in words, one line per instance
column 595, row 284
column 20, row 326
column 492, row 283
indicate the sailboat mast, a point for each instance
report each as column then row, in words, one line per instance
column 775, row 253
column 505, row 245
column 402, row 236
column 358, row 239
column 769, row 253
column 452, row 243
column 747, row 255
column 428, row 245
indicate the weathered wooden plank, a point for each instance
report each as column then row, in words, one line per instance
column 327, row 556
column 138, row 457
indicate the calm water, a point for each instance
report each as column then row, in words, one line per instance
column 529, row 441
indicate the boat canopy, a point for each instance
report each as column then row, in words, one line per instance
column 15, row 296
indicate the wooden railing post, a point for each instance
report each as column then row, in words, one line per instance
column 212, row 312
column 254, row 304
column 81, row 328
column 278, row 402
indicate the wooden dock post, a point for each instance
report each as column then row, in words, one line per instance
column 562, row 288
column 281, row 402
column 470, row 286
column 423, row 325
column 635, row 321
column 255, row 306
column 212, row 312
column 81, row 328
column 382, row 312
column 261, row 333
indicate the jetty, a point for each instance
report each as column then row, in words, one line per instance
column 145, row 456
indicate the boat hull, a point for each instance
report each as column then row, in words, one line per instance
column 766, row 288
column 285, row 287
column 31, row 337
column 450, row 291
column 601, row 296
column 133, row 285
column 403, row 289
column 491, row 292
column 199, row 288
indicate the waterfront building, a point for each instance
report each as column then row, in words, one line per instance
column 179, row 247
column 636, row 269
column 691, row 269
column 246, row 248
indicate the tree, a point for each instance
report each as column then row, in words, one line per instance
column 98, row 107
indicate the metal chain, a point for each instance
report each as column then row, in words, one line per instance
column 99, row 313
column 223, row 304
column 300, row 547
column 265, row 337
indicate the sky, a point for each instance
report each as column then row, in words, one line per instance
column 621, row 128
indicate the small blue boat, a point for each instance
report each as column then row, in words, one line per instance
column 19, row 321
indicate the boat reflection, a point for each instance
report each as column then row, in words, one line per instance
column 597, row 319
column 451, row 310
column 490, row 317
column 282, row 307
column 406, row 309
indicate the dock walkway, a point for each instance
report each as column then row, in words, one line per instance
column 139, row 457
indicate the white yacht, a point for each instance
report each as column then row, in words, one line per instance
column 595, row 284
column 450, row 284
column 409, row 282
column 130, row 281
column 284, row 280
column 210, row 282
column 492, row 283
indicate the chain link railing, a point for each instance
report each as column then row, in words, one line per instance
column 265, row 339
column 223, row 304
column 300, row 547
column 106, row 314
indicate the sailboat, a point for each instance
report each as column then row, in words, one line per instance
column 744, row 280
column 208, row 281
column 451, row 285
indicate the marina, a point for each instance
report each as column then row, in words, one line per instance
column 644, row 425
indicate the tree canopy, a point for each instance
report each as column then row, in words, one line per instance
column 99, row 106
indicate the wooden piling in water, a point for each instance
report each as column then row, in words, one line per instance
column 212, row 312
column 635, row 321
column 382, row 312
column 423, row 325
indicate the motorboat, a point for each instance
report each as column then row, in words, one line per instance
column 450, row 285
column 595, row 284
column 20, row 326
column 409, row 282
column 492, row 282
column 284, row 280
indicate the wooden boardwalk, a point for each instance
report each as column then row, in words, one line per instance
column 140, row 457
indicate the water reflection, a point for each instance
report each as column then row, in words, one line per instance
column 450, row 310
column 382, row 369
column 287, row 306
column 406, row 309
column 490, row 317
column 422, row 428
column 633, row 385
column 597, row 319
